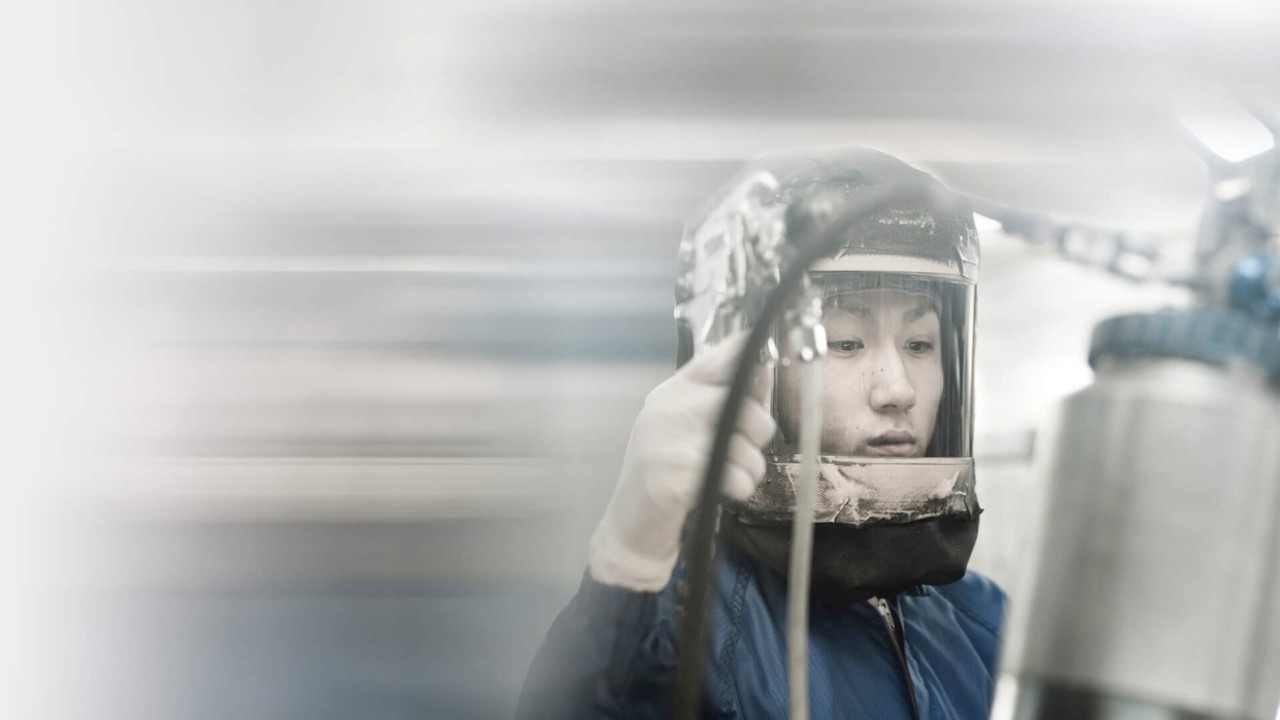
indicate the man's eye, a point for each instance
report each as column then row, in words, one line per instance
column 845, row 346
column 919, row 346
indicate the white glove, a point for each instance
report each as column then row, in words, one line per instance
column 636, row 543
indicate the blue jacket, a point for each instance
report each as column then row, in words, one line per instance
column 611, row 653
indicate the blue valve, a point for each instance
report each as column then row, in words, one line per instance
column 1251, row 290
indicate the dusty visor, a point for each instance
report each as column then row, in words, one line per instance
column 856, row 492
column 896, row 444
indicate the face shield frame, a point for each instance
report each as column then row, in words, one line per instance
column 860, row 489
column 743, row 239
column 952, row 299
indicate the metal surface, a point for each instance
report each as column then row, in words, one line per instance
column 1157, row 588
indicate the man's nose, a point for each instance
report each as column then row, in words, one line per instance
column 891, row 389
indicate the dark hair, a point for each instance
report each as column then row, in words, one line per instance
column 952, row 427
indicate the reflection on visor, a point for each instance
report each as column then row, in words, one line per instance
column 840, row 283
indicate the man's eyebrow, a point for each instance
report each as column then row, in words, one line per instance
column 917, row 312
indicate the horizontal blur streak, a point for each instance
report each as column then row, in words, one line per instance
column 378, row 289
column 378, row 264
column 192, row 488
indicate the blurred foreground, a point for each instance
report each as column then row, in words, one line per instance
column 372, row 294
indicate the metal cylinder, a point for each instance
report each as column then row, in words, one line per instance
column 1155, row 592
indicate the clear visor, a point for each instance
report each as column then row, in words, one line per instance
column 897, row 373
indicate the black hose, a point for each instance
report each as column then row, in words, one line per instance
column 699, row 543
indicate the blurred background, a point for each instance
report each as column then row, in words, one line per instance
column 336, row 315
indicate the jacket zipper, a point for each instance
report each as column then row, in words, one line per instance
column 886, row 614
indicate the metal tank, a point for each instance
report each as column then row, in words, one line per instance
column 1156, row 590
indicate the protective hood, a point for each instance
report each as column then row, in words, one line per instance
column 896, row 498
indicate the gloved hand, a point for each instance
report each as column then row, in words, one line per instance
column 636, row 543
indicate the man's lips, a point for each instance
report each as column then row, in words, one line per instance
column 895, row 443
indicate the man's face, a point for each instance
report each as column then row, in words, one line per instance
column 881, row 377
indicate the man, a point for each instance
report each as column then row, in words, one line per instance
column 897, row 628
